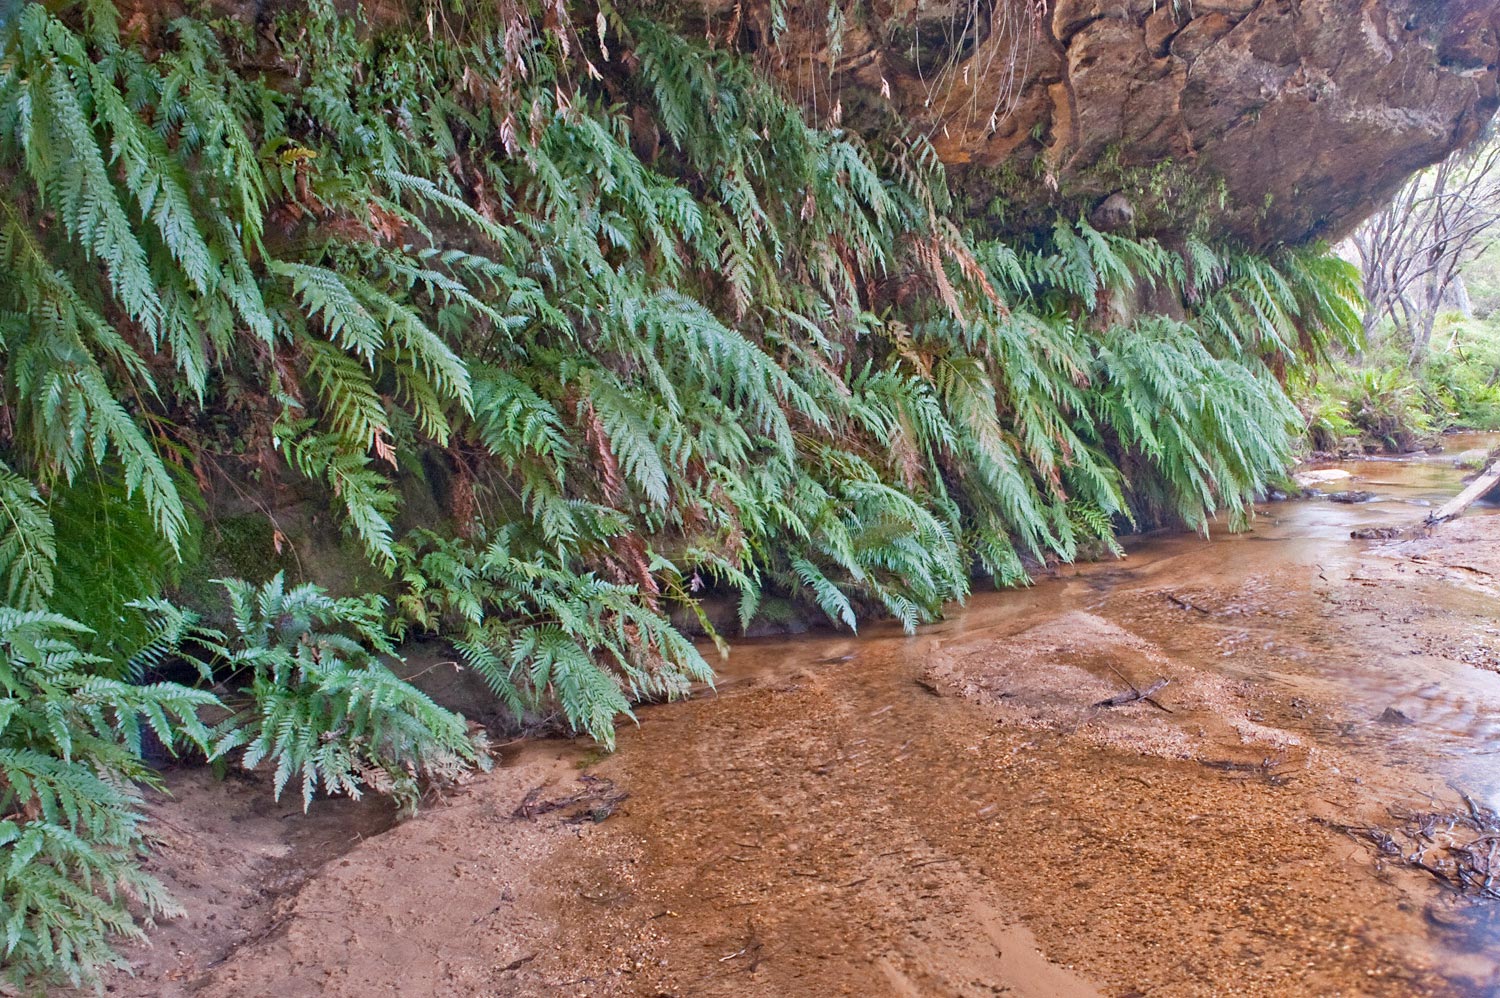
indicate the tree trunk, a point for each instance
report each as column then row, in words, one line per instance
column 1458, row 297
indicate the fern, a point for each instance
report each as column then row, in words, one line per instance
column 540, row 634
column 648, row 335
column 69, row 808
column 646, row 331
column 321, row 707
column 28, row 544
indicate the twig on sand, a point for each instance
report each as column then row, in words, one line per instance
column 599, row 798
column 931, row 862
column 1187, row 605
column 752, row 948
column 1137, row 695
column 1459, row 848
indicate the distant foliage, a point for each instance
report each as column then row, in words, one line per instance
column 1381, row 400
column 1413, row 252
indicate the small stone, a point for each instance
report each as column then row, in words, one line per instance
column 1322, row 476
column 1472, row 459
column 1115, row 212
column 1392, row 715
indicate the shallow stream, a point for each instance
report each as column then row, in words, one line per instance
column 928, row 815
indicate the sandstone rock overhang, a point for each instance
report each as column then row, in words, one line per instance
column 1312, row 112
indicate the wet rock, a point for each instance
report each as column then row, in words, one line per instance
column 1351, row 497
column 1350, row 447
column 1375, row 533
column 1472, row 459
column 1115, row 213
column 1392, row 715
column 1308, row 479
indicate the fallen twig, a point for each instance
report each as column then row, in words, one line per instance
column 1187, row 605
column 931, row 862
column 1459, row 848
column 1136, row 695
column 599, row 796
column 752, row 948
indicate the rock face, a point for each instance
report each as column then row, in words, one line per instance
column 1310, row 111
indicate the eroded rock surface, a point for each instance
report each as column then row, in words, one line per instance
column 1311, row 112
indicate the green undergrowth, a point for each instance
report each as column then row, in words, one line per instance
column 646, row 332
column 1381, row 399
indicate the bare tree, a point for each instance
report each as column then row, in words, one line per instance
column 1411, row 252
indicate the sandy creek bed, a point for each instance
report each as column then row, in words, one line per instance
column 945, row 814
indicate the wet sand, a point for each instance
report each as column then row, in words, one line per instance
column 953, row 814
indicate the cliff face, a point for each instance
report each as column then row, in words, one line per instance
column 1311, row 111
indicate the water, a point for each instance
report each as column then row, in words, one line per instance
column 925, row 815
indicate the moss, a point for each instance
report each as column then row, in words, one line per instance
column 245, row 547
column 302, row 542
column 1168, row 196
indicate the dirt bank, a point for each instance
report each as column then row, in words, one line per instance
column 955, row 814
column 230, row 854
